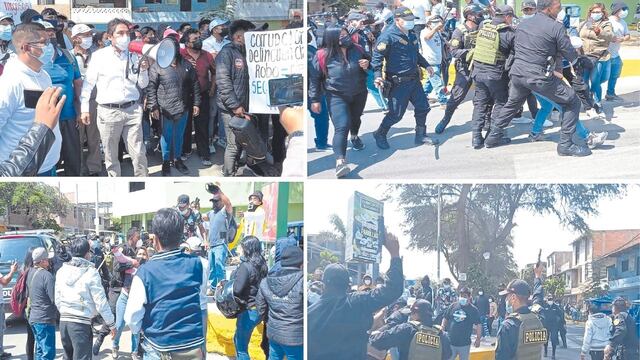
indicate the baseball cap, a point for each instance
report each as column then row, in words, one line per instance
column 5, row 16
column 355, row 16
column 528, row 5
column 182, row 199
column 194, row 243
column 518, row 287
column 615, row 7
column 504, row 10
column 170, row 32
column 422, row 307
column 403, row 12
column 80, row 29
column 47, row 25
column 217, row 22
column 39, row 254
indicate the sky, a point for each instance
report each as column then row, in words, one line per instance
column 531, row 233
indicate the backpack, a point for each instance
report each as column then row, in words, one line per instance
column 226, row 302
column 232, row 229
column 19, row 295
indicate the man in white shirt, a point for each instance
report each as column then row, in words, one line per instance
column 117, row 74
column 619, row 11
column 432, row 40
column 419, row 10
column 219, row 29
column 23, row 76
column 383, row 14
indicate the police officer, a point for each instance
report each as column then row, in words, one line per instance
column 398, row 45
column 463, row 40
column 522, row 334
column 494, row 43
column 416, row 339
column 624, row 339
column 539, row 41
column 552, row 318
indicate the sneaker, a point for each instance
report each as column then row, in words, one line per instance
column 134, row 356
column 613, row 98
column 596, row 139
column 166, row 168
column 114, row 353
column 536, row 137
column 184, row 157
column 547, row 124
column 522, row 120
column 207, row 163
column 180, row 166
column 356, row 143
column 342, row 170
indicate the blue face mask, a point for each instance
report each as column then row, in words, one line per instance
column 107, row 43
column 408, row 24
column 5, row 32
column 47, row 55
column 526, row 16
column 463, row 301
column 596, row 16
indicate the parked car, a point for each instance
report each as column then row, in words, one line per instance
column 14, row 246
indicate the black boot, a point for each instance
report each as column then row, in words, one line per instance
column 422, row 138
column 448, row 114
column 477, row 141
column 166, row 168
column 381, row 137
column 496, row 138
column 180, row 166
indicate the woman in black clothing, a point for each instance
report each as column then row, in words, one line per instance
column 250, row 272
column 340, row 72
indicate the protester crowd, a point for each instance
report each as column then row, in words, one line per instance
column 159, row 283
column 402, row 50
column 117, row 100
column 382, row 319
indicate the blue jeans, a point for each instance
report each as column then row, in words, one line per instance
column 435, row 83
column 121, row 305
column 45, row 335
column 616, row 70
column 172, row 137
column 152, row 354
column 217, row 260
column 278, row 352
column 246, row 322
column 598, row 75
column 373, row 90
column 484, row 321
column 49, row 173
column 321, row 123
column 546, row 106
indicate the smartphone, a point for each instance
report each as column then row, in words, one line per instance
column 286, row 91
column 31, row 98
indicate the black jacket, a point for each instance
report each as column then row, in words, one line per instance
column 247, row 283
column 173, row 90
column 280, row 300
column 26, row 159
column 338, row 324
column 232, row 78
column 341, row 78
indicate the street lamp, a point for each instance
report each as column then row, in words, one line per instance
column 486, row 255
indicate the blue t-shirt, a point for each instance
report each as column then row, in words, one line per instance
column 217, row 227
column 65, row 79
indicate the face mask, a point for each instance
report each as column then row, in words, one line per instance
column 447, row 287
column 525, row 16
column 47, row 55
column 197, row 45
column 463, row 301
column 561, row 15
column 5, row 32
column 480, row 293
column 53, row 22
column 508, row 306
column 478, row 19
column 139, row 243
column 596, row 16
column 141, row 260
column 122, row 42
column 623, row 14
column 251, row 207
column 408, row 25
column 86, row 43
column 224, row 32
column 185, row 212
column 352, row 30
column 107, row 43
column 345, row 41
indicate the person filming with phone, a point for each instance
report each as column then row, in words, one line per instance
column 21, row 85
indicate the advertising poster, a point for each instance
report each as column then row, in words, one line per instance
column 365, row 229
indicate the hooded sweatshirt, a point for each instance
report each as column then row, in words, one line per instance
column 597, row 333
column 15, row 118
column 79, row 294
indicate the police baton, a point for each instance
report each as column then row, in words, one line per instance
column 380, row 89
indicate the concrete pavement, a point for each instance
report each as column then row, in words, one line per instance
column 521, row 160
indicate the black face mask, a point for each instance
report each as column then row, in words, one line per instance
column 197, row 45
column 345, row 41
column 224, row 32
column 251, row 207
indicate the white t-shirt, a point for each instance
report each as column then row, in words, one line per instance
column 432, row 48
column 418, row 8
column 438, row 9
column 620, row 29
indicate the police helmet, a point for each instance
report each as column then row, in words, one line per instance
column 471, row 10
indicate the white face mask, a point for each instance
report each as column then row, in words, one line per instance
column 122, row 42
column 623, row 14
column 86, row 43
column 526, row 16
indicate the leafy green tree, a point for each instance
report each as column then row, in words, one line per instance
column 479, row 218
column 226, row 10
column 554, row 286
column 40, row 203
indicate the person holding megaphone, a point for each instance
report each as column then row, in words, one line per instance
column 117, row 73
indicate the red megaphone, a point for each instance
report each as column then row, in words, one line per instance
column 163, row 52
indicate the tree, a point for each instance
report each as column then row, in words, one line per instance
column 479, row 218
column 554, row 286
column 116, row 225
column 39, row 202
column 225, row 10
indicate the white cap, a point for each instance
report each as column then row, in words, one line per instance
column 194, row 243
column 5, row 16
column 217, row 22
column 80, row 29
column 47, row 25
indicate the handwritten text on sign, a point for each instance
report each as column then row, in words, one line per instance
column 272, row 55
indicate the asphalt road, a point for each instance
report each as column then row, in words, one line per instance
column 521, row 160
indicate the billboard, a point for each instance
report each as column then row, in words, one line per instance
column 365, row 229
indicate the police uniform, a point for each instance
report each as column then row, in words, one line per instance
column 552, row 317
column 539, row 39
column 463, row 40
column 624, row 338
column 522, row 335
column 402, row 57
column 494, row 44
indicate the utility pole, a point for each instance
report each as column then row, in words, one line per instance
column 438, row 229
column 96, row 221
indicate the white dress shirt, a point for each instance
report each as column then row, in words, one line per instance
column 107, row 71
column 212, row 45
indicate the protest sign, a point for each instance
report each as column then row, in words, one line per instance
column 15, row 8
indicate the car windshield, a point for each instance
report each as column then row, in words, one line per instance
column 16, row 248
